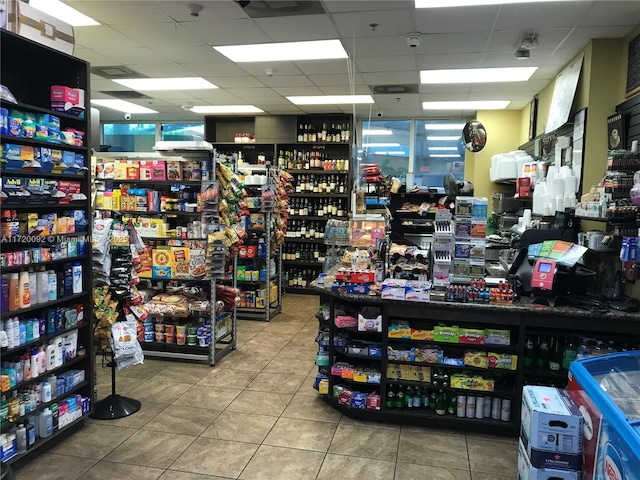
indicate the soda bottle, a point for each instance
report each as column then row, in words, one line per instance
column 417, row 398
column 528, row 352
column 389, row 402
column 452, row 405
column 400, row 398
column 408, row 398
column 424, row 397
column 433, row 399
column 441, row 403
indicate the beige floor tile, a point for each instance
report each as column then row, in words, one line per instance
column 311, row 408
column 300, row 353
column 93, row 441
column 49, row 466
column 159, row 392
column 290, row 328
column 185, row 373
column 435, row 449
column 270, row 463
column 240, row 427
column 110, row 471
column 211, row 456
column 262, row 403
column 496, row 458
column 302, row 434
column 410, row 471
column 148, row 410
column 353, row 468
column 183, row 420
column 146, row 370
column 245, row 361
column 492, row 438
column 213, row 398
column 492, row 476
column 226, row 377
column 276, row 382
column 347, row 420
column 123, row 385
column 368, row 442
column 286, row 366
column 151, row 449
column 175, row 475
column 306, row 389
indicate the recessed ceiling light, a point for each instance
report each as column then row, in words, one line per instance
column 371, row 145
column 444, row 126
column 471, row 3
column 467, row 105
column 477, row 75
column 444, row 149
column 331, row 99
column 184, row 83
column 289, row 51
column 225, row 109
column 447, row 138
column 122, row 105
column 63, row 12
column 378, row 131
column 444, row 155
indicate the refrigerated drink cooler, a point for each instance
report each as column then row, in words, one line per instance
column 606, row 389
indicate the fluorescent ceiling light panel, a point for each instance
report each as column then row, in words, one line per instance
column 467, row 105
column 225, row 109
column 331, row 99
column 445, row 155
column 63, row 12
column 379, row 131
column 477, row 75
column 443, row 138
column 122, row 105
column 444, row 126
column 288, row 51
column 184, row 83
column 385, row 145
column 472, row 3
column 444, row 149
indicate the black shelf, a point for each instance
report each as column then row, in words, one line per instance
column 303, row 262
column 304, row 240
column 411, row 383
column 154, row 279
column 75, row 205
column 497, row 348
column 68, row 393
column 294, row 171
column 153, row 183
column 356, row 384
column 181, row 319
column 42, row 143
column 39, row 378
column 50, row 262
column 41, row 339
column 355, row 330
column 319, row 195
column 62, row 176
column 43, row 306
column 172, row 213
column 356, row 356
column 561, row 374
column 301, row 290
column 455, row 367
column 33, row 108
column 428, row 414
column 175, row 348
column 273, row 309
column 158, row 239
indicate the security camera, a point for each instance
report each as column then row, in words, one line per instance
column 127, row 116
column 194, row 9
column 379, row 113
column 413, row 40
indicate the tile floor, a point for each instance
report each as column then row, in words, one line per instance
column 255, row 416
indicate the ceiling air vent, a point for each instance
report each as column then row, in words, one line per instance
column 280, row 8
column 116, row 71
column 395, row 89
column 125, row 94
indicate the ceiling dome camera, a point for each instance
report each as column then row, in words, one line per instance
column 413, row 40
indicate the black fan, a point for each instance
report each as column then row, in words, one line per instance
column 452, row 188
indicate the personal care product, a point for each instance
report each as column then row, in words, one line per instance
column 33, row 283
column 77, row 277
column 14, row 291
column 45, row 427
column 24, row 290
column 53, row 285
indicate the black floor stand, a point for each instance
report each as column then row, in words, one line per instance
column 114, row 406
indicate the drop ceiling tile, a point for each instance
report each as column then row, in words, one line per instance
column 102, row 36
column 389, row 23
column 435, row 96
column 379, row 46
column 406, row 99
column 211, row 11
column 528, row 16
column 157, row 35
column 298, row 28
column 108, row 12
column 245, row 81
column 612, row 13
column 581, row 36
column 299, row 91
column 341, row 79
column 561, row 57
column 518, row 104
column 129, row 56
column 281, row 68
column 216, row 70
column 548, row 39
column 508, row 59
column 454, row 60
column 451, row 20
column 385, row 78
column 529, row 88
column 323, row 66
column 386, row 63
column 446, row 89
column 94, row 58
column 465, row 42
column 286, row 81
column 225, row 32
column 172, row 94
column 341, row 6
column 100, row 83
column 254, row 93
column 161, row 69
column 346, row 90
column 193, row 54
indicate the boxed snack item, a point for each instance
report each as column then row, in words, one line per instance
column 418, row 291
column 174, row 170
column 369, row 324
column 494, row 336
column 417, row 334
column 67, row 99
column 551, row 428
column 152, row 170
column 394, row 289
column 426, row 355
column 399, row 331
column 181, row 262
column 476, row 359
column 162, row 263
column 448, row 334
column 471, row 336
column 504, row 361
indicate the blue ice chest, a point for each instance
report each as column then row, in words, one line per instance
column 606, row 390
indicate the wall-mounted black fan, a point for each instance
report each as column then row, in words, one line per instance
column 452, row 189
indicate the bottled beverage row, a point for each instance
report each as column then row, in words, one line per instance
column 400, row 397
column 301, row 277
column 327, row 132
column 555, row 353
column 32, row 287
column 318, row 207
column 311, row 160
column 304, row 252
column 315, row 183
column 305, row 229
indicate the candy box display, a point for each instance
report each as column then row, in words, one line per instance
column 369, row 324
column 497, row 337
column 345, row 321
column 471, row 336
column 446, row 334
column 476, row 359
column 418, row 291
column 399, row 331
column 504, row 361
column 393, row 289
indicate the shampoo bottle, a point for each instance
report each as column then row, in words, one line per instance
column 43, row 285
column 4, row 293
column 16, row 332
column 42, row 360
column 33, row 286
column 76, row 273
column 51, row 356
column 14, row 291
column 35, row 365
column 8, row 328
column 24, row 290
column 53, row 285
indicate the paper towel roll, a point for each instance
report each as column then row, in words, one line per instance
column 570, row 185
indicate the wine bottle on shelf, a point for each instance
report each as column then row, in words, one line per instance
column 301, row 133
column 555, row 355
column 529, row 352
column 542, row 359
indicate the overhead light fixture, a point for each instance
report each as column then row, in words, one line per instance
column 444, row 149
column 374, row 131
column 225, row 109
column 64, row 12
column 184, row 83
column 444, row 126
column 439, row 138
column 380, row 145
column 444, row 155
column 477, row 75
column 122, row 105
column 288, row 51
column 467, row 105
column 472, row 3
column 331, row 99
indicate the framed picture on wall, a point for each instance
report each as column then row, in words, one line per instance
column 615, row 132
column 533, row 117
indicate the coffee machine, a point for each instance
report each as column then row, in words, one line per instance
column 505, row 210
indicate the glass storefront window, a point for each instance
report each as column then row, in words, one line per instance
column 182, row 131
column 386, row 142
column 438, row 151
column 129, row 137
